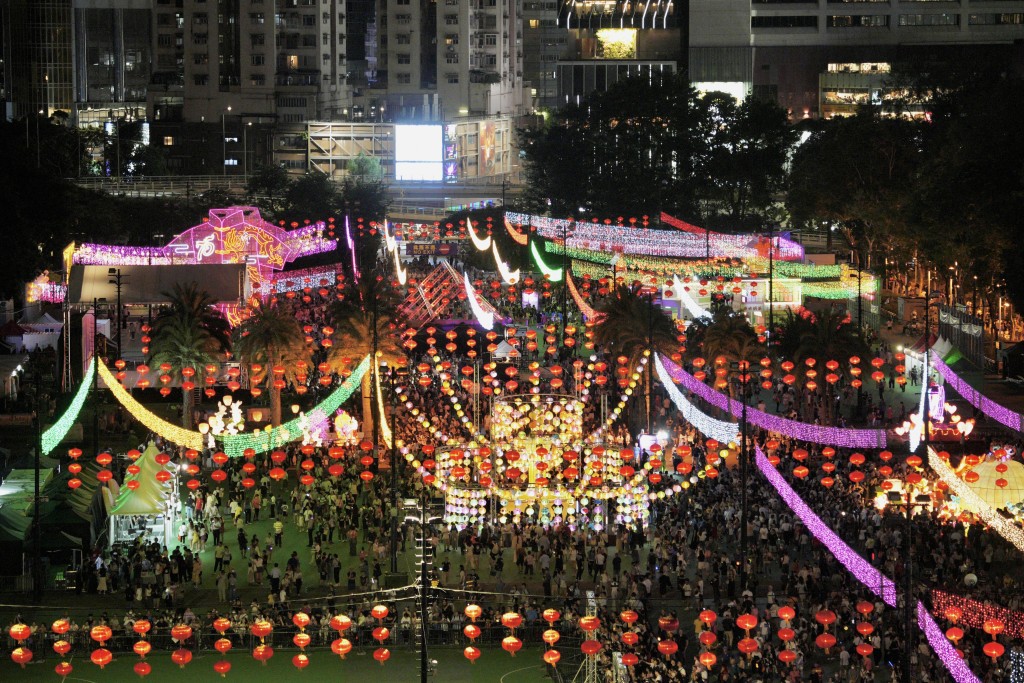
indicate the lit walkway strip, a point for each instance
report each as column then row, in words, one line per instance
column 261, row 442
column 555, row 275
column 1000, row 414
column 835, row 436
column 485, row 319
column 155, row 424
column 724, row 432
column 56, row 433
column 972, row 501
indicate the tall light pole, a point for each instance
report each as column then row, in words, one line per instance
column 245, row 148
column 117, row 280
column 224, row 140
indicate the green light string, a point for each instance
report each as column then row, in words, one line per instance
column 554, row 274
column 235, row 445
column 55, row 434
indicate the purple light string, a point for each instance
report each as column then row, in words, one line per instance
column 351, row 249
column 943, row 649
column 861, row 569
column 1001, row 414
column 837, row 436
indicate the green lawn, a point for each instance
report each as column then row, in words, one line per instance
column 494, row 665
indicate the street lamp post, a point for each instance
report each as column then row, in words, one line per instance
column 116, row 279
column 38, row 577
column 245, row 148
column 743, row 377
column 224, row 140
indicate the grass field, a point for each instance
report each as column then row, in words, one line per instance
column 494, row 665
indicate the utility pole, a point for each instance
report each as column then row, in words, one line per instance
column 38, row 576
column 116, row 279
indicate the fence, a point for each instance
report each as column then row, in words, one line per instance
column 964, row 331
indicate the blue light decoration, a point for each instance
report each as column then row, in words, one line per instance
column 56, row 433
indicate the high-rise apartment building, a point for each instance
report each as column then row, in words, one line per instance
column 37, row 57
column 444, row 59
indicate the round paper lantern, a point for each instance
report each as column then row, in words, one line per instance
column 708, row 659
column 381, row 633
column 787, row 656
column 471, row 653
column 590, row 623
column 630, row 659
column 825, row 641
column 511, row 645
column 552, row 657
column 955, row 633
column 382, row 654
column 551, row 615
column 142, row 648
column 222, row 667
column 747, row 646
column 63, row 669
column 262, row 653
column 62, row 647
column 181, row 657
column 379, row 612
column 21, row 656
column 993, row 649
column 865, row 649
column 341, row 647
column 825, row 617
column 143, row 669
column 181, row 632
column 628, row 617
column 100, row 634
column 301, row 640
column 667, row 647
column 511, row 620
column 101, row 657
column 20, row 632
column 787, row 613
column 300, row 661
column 630, row 638
column 222, row 645
column 746, row 621
column 590, row 647
column 786, row 634
column 994, row 627
column 707, row 638
column 341, row 623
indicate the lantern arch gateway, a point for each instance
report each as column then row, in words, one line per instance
column 231, row 235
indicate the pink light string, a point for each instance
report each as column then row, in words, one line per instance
column 999, row 413
column 837, row 436
column 863, row 571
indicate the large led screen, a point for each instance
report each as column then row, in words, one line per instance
column 418, row 152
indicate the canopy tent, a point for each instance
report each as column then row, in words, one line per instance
column 147, row 509
column 147, row 284
column 17, row 507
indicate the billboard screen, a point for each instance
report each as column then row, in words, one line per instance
column 418, row 152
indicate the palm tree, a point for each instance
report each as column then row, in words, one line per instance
column 272, row 337
column 831, row 337
column 730, row 337
column 190, row 333
column 631, row 326
column 364, row 324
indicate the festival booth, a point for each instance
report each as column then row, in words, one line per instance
column 144, row 505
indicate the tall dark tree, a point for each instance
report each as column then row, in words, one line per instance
column 857, row 175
